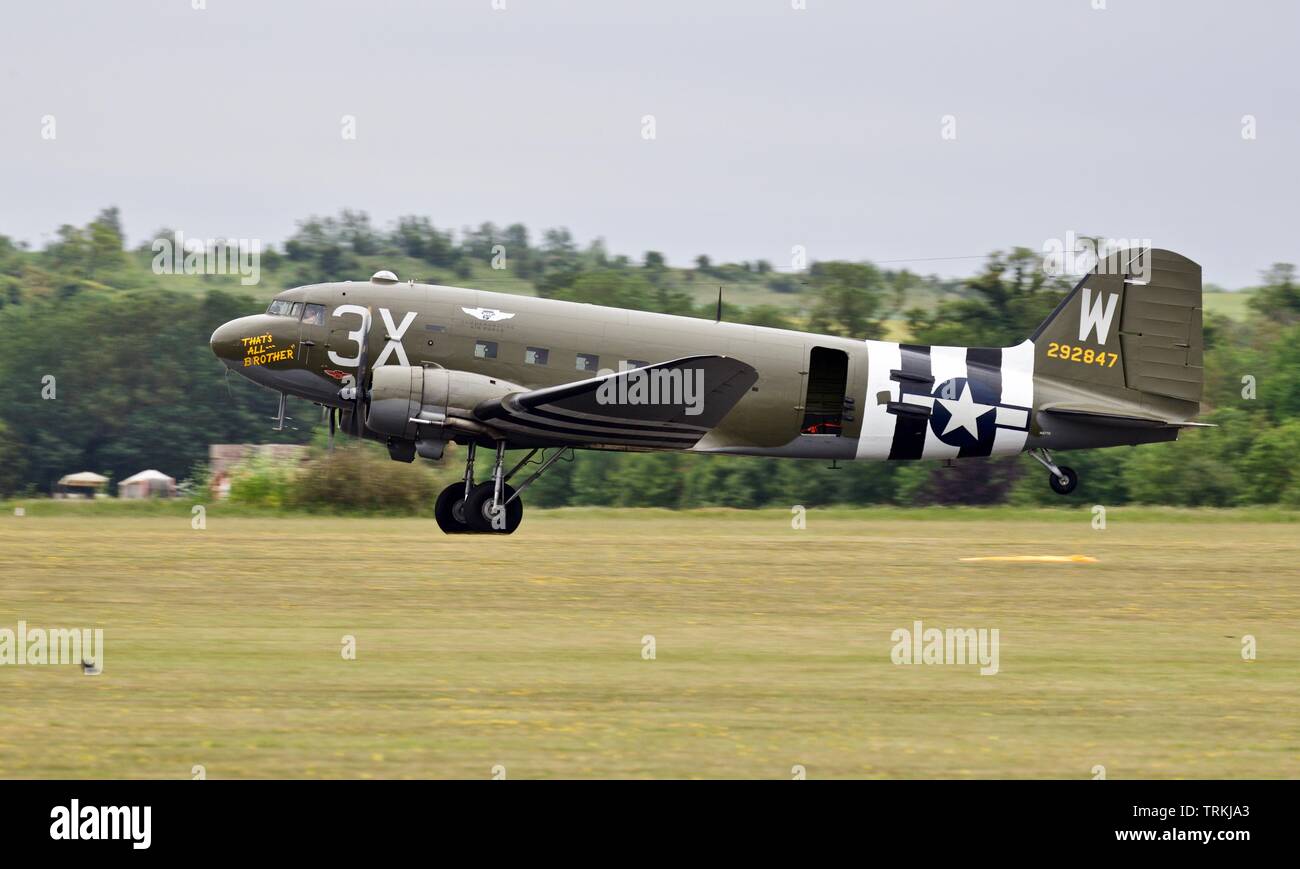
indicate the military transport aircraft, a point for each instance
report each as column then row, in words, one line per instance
column 415, row 365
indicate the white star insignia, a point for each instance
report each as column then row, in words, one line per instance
column 964, row 412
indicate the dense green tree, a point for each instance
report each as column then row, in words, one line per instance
column 655, row 267
column 417, row 237
column 72, row 255
column 647, row 480
column 763, row 315
column 13, row 461
column 555, row 487
column 522, row 258
column 1201, row 470
column 133, row 385
column 477, row 243
column 1279, row 297
column 1277, row 376
column 610, row 287
column 356, row 232
column 783, row 284
column 1268, row 467
column 589, row 481
column 848, row 298
column 1008, row 300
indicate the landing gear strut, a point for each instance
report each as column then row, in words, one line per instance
column 1063, row 480
column 493, row 506
column 449, row 509
column 486, row 508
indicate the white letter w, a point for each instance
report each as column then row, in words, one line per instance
column 1096, row 315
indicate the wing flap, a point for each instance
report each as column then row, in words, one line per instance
column 669, row 405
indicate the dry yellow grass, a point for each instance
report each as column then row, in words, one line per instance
column 773, row 647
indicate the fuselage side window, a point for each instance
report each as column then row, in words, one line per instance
column 485, row 349
column 536, row 355
column 588, row 362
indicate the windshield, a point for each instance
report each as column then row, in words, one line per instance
column 280, row 308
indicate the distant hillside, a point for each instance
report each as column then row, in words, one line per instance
column 348, row 247
column 1234, row 304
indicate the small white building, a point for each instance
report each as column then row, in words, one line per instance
column 147, row 484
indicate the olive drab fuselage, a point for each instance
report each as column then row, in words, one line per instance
column 1117, row 363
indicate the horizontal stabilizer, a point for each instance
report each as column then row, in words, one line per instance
column 1126, row 419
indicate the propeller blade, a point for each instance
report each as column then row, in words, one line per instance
column 333, row 413
column 358, row 408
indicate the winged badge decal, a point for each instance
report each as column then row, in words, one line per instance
column 490, row 314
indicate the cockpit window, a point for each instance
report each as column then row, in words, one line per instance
column 280, row 308
column 296, row 310
column 314, row 315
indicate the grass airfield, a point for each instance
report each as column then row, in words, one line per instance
column 772, row 645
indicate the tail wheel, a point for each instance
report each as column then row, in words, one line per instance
column 478, row 511
column 1063, row 486
column 449, row 510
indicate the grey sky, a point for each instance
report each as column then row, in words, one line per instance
column 775, row 126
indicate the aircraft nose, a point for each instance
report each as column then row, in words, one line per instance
column 264, row 348
column 225, row 341
column 255, row 340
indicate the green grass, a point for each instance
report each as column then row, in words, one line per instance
column 1234, row 305
column 773, row 645
column 150, row 508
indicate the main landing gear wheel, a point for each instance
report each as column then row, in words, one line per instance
column 1063, row 480
column 478, row 510
column 449, row 510
column 461, row 513
column 1064, row 484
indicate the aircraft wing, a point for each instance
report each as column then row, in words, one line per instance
column 669, row 405
column 1109, row 416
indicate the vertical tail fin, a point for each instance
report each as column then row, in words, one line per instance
column 1130, row 332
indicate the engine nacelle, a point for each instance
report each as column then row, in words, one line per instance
column 402, row 393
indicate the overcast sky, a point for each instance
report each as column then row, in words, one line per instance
column 773, row 126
